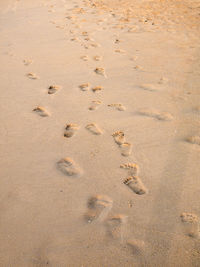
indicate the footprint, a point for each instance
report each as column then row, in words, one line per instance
column 68, row 167
column 163, row 80
column 95, row 105
column 84, row 86
column 164, row 116
column 94, row 45
column 150, row 87
column 41, row 111
column 117, row 106
column 121, row 51
column 115, row 226
column 85, row 58
column 126, row 149
column 97, row 88
column 191, row 224
column 70, row 130
column 133, row 168
column 97, row 58
column 98, row 208
column 119, row 137
column 137, row 246
column 136, row 185
column 93, row 128
column 139, row 68
column 32, row 76
column 194, row 140
column 100, row 71
column 27, row 62
column 53, row 89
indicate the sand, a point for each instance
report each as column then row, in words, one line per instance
column 100, row 140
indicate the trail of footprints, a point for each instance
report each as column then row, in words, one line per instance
column 100, row 206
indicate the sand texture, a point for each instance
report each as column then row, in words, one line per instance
column 100, row 133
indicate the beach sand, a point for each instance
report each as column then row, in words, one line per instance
column 100, row 140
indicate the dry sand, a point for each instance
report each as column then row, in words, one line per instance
column 100, row 140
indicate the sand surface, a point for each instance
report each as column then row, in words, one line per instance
column 100, row 135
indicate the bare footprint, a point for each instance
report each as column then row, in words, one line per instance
column 93, row 128
column 53, row 89
column 100, row 71
column 98, row 208
column 116, row 225
column 133, row 168
column 70, row 130
column 150, row 87
column 95, row 105
column 68, row 167
column 41, row 111
column 117, row 106
column 191, row 224
column 32, row 76
column 85, row 58
column 136, row 185
column 126, row 149
column 97, row 88
column 84, row 86
column 27, row 62
column 97, row 58
column 137, row 246
column 121, row 51
column 119, row 137
column 164, row 116
column 194, row 140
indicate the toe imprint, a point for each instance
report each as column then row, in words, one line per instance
column 132, row 167
column 136, row 185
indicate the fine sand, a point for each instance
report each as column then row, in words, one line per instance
column 100, row 133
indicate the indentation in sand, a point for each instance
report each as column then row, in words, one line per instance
column 94, row 128
column 115, row 226
column 133, row 168
column 100, row 71
column 53, row 89
column 41, row 111
column 119, row 137
column 117, row 106
column 164, row 116
column 126, row 149
column 84, row 86
column 70, row 130
column 95, row 105
column 97, row 88
column 194, row 139
column 98, row 208
column 136, row 185
column 32, row 76
column 68, row 167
